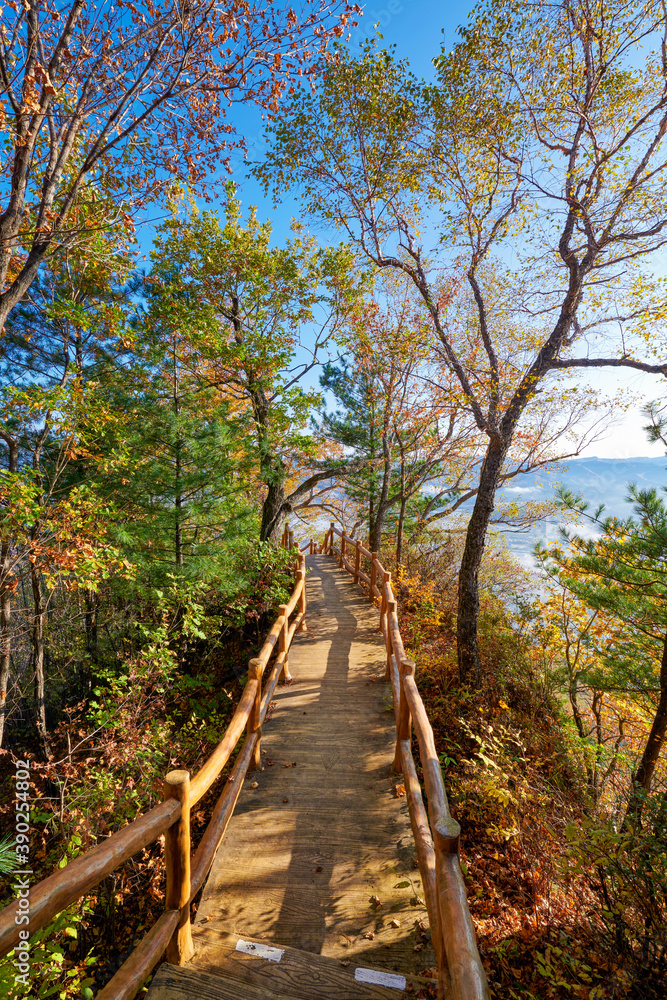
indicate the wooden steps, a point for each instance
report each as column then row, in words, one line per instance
column 317, row 865
column 301, row 974
column 242, row 969
column 311, row 847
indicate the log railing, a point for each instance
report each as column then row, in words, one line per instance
column 435, row 832
column 185, row 874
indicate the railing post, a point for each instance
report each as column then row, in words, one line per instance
column 341, row 562
column 285, row 539
column 255, row 671
column 404, row 726
column 331, row 538
column 290, row 539
column 177, row 863
column 374, row 574
column 302, row 601
column 357, row 560
column 391, row 607
column 285, row 675
column 386, row 578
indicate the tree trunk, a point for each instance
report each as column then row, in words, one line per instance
column 178, row 498
column 377, row 523
column 5, row 633
column 274, row 504
column 38, row 655
column 399, row 533
column 91, row 601
column 401, row 513
column 6, row 590
column 643, row 776
column 468, row 605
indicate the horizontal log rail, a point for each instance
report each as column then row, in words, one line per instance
column 435, row 832
column 185, row 875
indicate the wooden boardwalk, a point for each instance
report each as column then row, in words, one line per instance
column 310, row 851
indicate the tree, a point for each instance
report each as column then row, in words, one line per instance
column 185, row 487
column 538, row 161
column 69, row 327
column 254, row 304
column 571, row 635
column 402, row 426
column 104, row 106
column 622, row 575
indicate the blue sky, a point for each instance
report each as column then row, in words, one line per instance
column 418, row 29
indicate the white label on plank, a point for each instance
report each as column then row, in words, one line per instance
column 260, row 950
column 381, row 978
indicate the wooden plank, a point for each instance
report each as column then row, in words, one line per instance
column 175, row 983
column 298, row 974
column 302, row 873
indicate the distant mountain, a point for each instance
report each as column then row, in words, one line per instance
column 598, row 480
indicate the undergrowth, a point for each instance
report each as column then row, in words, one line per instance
column 565, row 904
column 164, row 703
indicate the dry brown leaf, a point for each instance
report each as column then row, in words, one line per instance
column 285, row 800
column 394, row 923
column 255, row 784
column 399, row 791
column 369, row 935
column 375, row 900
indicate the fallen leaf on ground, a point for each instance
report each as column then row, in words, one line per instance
column 255, row 784
column 399, row 791
column 375, row 900
column 285, row 800
column 394, row 923
column 369, row 936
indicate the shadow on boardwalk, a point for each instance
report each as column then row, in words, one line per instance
column 306, row 852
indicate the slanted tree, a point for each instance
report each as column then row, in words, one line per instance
column 538, row 156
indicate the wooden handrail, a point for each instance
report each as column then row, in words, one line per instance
column 53, row 894
column 436, row 833
column 215, row 763
column 131, row 976
column 172, row 931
